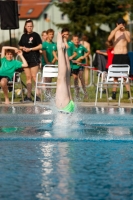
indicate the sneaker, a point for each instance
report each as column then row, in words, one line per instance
column 28, row 99
column 130, row 98
column 38, row 98
column 110, row 98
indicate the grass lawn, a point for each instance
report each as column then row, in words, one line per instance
column 90, row 90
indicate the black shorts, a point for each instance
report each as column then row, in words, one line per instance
column 81, row 69
column 8, row 79
column 121, row 59
column 75, row 71
column 30, row 64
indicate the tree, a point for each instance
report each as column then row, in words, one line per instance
column 86, row 17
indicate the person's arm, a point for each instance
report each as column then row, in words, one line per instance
column 38, row 47
column 112, row 34
column 4, row 48
column 55, row 55
column 101, row 52
column 24, row 62
column 83, row 57
column 127, row 36
column 45, row 57
column 88, row 47
column 73, row 56
column 21, row 48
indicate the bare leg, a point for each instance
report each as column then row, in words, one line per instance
column 76, row 86
column 62, row 91
column 68, row 79
column 28, row 81
column 34, row 71
column 86, row 76
column 82, row 83
column 5, row 89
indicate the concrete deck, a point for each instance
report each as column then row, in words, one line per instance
column 82, row 104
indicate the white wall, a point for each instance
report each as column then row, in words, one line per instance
column 54, row 14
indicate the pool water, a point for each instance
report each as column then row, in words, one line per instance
column 52, row 156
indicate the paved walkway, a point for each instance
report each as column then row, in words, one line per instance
column 82, row 104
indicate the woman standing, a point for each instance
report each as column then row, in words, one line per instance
column 30, row 43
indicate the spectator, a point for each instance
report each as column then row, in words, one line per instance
column 30, row 43
column 109, row 53
column 49, row 48
column 49, row 56
column 44, row 36
column 8, row 67
column 120, row 37
column 70, row 45
column 86, row 44
column 77, row 70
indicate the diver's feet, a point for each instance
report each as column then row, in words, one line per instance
column 65, row 43
column 60, row 43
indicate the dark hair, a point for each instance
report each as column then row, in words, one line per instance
column 121, row 21
column 65, row 30
column 9, row 51
column 75, row 36
column 84, row 38
column 26, row 22
column 50, row 31
column 109, row 44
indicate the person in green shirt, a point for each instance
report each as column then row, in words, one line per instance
column 70, row 46
column 8, row 67
column 77, row 70
column 49, row 50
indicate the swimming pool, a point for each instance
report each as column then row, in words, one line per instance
column 88, row 155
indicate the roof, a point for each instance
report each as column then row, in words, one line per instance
column 65, row 1
column 31, row 8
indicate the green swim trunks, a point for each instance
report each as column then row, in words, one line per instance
column 69, row 108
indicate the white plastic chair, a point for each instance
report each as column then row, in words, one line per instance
column 50, row 71
column 115, row 71
column 12, row 84
column 15, row 82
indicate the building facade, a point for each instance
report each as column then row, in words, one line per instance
column 43, row 13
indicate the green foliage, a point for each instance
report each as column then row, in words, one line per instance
column 86, row 17
column 14, row 42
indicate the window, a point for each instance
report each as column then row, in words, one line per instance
column 62, row 16
column 30, row 11
column 45, row 16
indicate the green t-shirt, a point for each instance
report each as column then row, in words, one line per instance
column 8, row 67
column 49, row 47
column 80, row 50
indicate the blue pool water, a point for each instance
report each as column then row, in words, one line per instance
column 50, row 156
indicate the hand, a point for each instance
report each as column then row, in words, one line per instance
column 121, row 27
column 70, row 58
column 16, row 50
column 74, row 61
column 98, row 51
column 19, row 52
column 26, row 49
column 82, row 57
column 79, row 60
